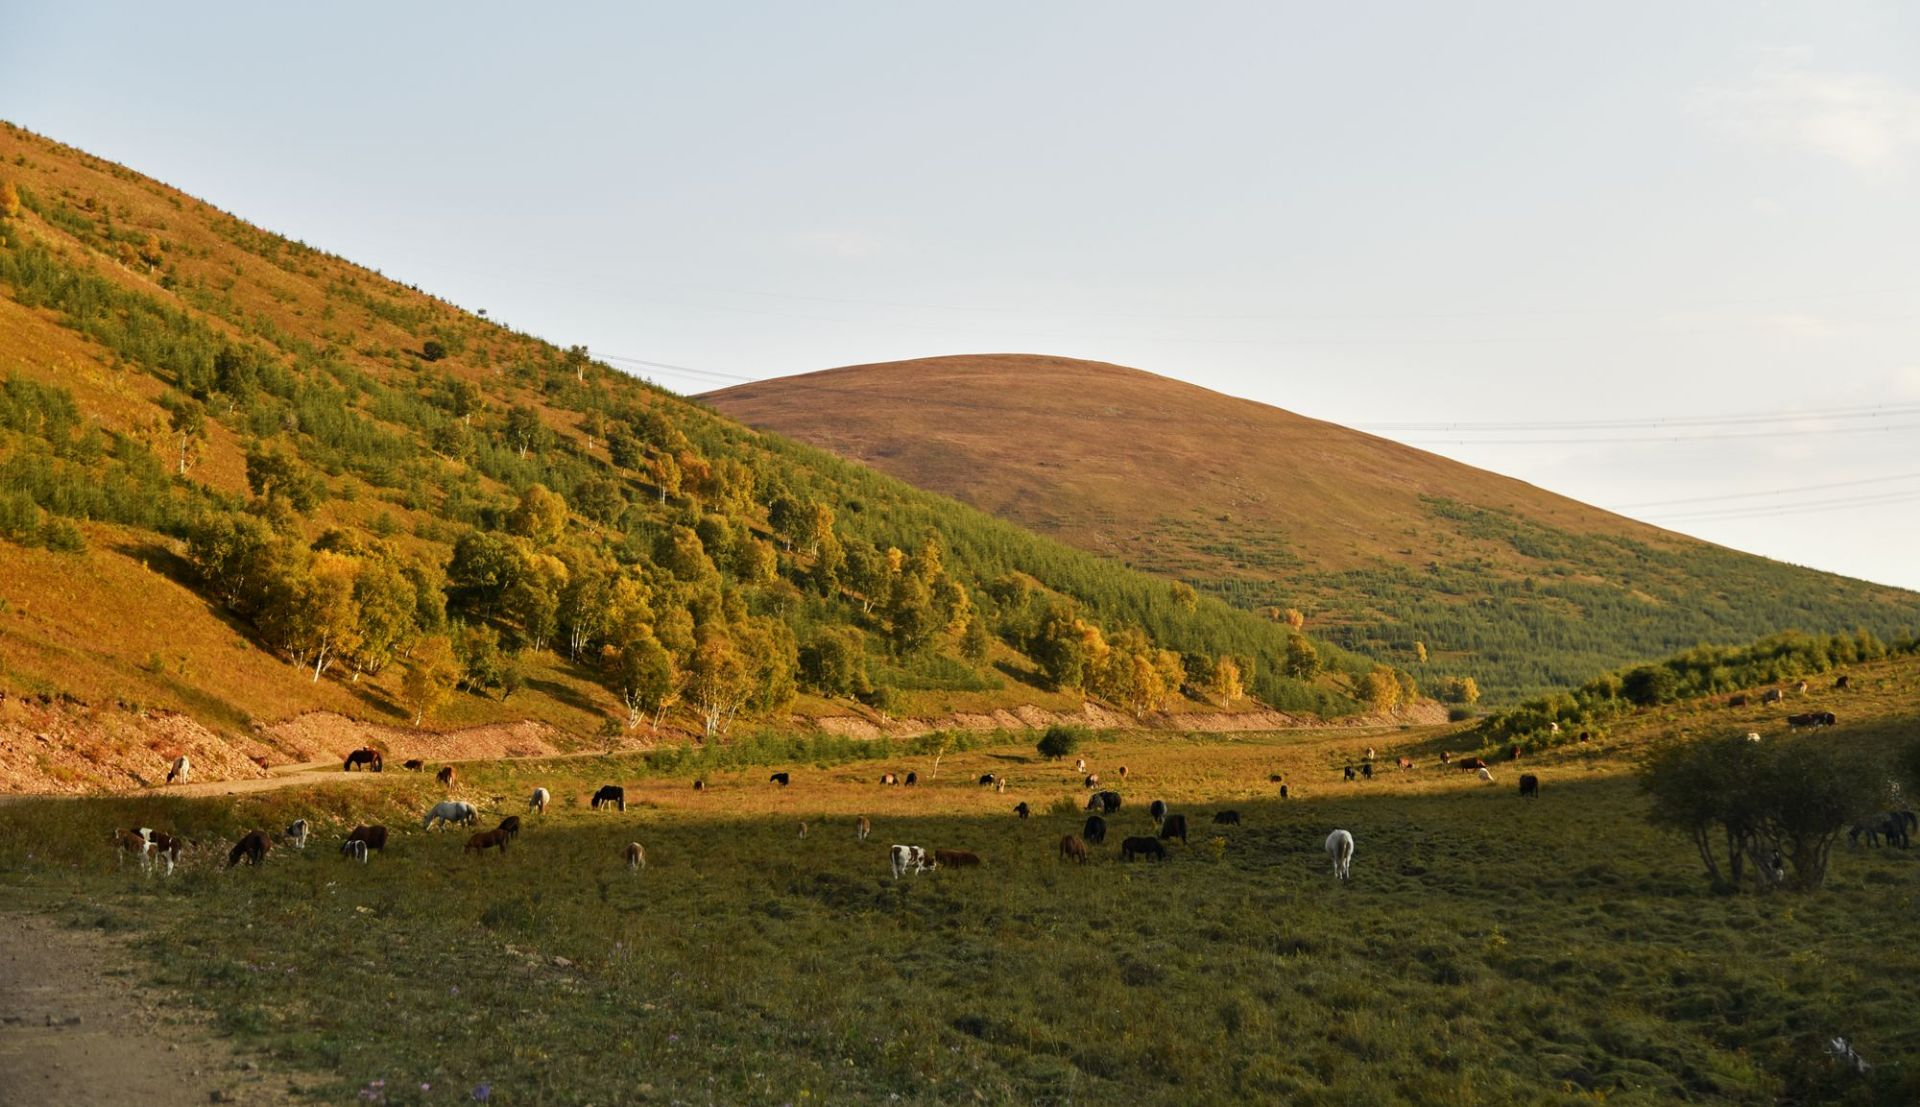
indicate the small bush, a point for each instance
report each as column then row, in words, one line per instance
column 1061, row 741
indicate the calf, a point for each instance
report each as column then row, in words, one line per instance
column 1174, row 827
column 782, row 779
column 166, row 847
column 1095, row 831
column 367, row 838
column 510, row 826
column 252, row 849
column 609, row 795
column 445, row 776
column 1529, row 786
column 1021, row 809
column 862, row 828
column 297, row 833
column 1073, row 849
column 955, row 859
column 488, row 839
column 636, row 857
column 909, row 859
column 1226, row 818
column 541, row 797
column 1142, row 847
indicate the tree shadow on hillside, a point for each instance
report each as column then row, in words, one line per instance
column 1027, row 676
column 555, row 690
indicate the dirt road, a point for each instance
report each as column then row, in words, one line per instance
column 75, row 1029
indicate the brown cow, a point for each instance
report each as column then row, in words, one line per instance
column 445, row 776
column 954, row 858
column 1405, row 762
column 488, row 839
column 863, row 828
column 1471, row 763
column 1073, row 849
column 1737, row 701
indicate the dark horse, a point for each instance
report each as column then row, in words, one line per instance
column 610, row 794
column 365, row 758
column 252, row 849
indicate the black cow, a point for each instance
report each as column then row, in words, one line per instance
column 610, row 795
column 1174, row 827
column 1349, row 772
column 1095, row 832
column 1142, row 847
column 699, row 785
column 1529, row 787
column 1226, row 818
column 1283, row 791
column 912, row 779
column 1104, row 802
column 782, row 779
column 1737, row 701
column 986, row 778
column 1157, row 810
column 1366, row 769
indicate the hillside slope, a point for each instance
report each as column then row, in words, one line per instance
column 1381, row 545
column 242, row 479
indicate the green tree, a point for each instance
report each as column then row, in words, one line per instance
column 386, row 603
column 1060, row 741
column 278, row 477
column 525, row 432
column 430, row 677
column 540, row 516
column 834, row 663
column 433, row 350
column 910, row 616
column 9, row 200
column 976, row 642
column 482, row 664
column 1303, row 660
column 1649, row 685
column 645, row 677
column 1379, row 690
column 718, row 682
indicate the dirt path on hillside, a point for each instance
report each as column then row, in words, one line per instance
column 75, row 1029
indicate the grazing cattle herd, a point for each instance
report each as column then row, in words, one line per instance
column 154, row 848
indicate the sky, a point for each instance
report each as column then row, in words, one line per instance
column 1661, row 258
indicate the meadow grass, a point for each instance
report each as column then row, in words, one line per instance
column 1487, row 949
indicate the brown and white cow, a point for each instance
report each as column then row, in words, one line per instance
column 907, row 859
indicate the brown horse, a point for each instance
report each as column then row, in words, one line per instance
column 366, row 758
column 488, row 839
column 445, row 776
column 1073, row 849
column 252, row 849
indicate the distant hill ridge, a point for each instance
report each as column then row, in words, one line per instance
column 1385, row 548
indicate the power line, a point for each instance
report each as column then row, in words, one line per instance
column 1768, row 492
column 1762, row 512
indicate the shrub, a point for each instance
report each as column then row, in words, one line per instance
column 1060, row 741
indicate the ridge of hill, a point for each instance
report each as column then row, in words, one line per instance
column 243, row 479
column 1433, row 566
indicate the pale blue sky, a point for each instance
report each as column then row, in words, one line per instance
column 1392, row 216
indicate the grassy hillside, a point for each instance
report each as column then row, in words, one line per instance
column 242, row 478
column 1488, row 949
column 1382, row 547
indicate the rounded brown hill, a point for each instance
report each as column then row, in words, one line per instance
column 1381, row 544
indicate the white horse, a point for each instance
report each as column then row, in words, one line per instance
column 1340, row 848
column 449, row 811
column 541, row 797
column 636, row 856
column 181, row 771
column 1486, row 777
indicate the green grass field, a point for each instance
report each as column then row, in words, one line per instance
column 1487, row 950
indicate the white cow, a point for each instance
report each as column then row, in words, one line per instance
column 181, row 771
column 911, row 859
column 541, row 797
column 1340, row 848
